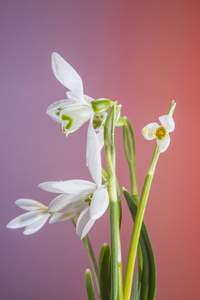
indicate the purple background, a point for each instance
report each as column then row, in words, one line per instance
column 142, row 54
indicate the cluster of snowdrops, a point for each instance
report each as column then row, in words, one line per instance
column 84, row 201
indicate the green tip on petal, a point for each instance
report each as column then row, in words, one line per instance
column 69, row 119
column 100, row 105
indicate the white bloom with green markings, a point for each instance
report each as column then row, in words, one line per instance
column 89, row 198
column 78, row 108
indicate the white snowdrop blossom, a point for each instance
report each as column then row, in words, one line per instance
column 32, row 220
column 160, row 132
column 76, row 195
column 78, row 108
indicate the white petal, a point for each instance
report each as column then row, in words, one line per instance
column 66, row 203
column 72, row 97
column 87, row 99
column 100, row 136
column 29, row 204
column 26, row 219
column 57, row 217
column 93, row 154
column 36, row 226
column 73, row 187
column 84, row 223
column 168, row 122
column 76, row 116
column 67, row 75
column 52, row 110
column 99, row 203
column 148, row 131
column 163, row 144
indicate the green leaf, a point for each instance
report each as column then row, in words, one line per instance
column 105, row 272
column 148, row 279
column 89, row 285
column 136, row 289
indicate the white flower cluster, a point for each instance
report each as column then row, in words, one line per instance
column 90, row 199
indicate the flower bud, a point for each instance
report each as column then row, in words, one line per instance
column 100, row 105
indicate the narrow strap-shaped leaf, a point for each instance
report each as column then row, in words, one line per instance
column 140, row 266
column 105, row 272
column 136, row 289
column 145, row 271
column 89, row 285
column 152, row 265
column 149, row 265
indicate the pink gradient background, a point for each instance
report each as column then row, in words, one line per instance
column 142, row 54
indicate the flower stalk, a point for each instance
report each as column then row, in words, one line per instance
column 129, row 149
column 109, row 141
column 88, row 247
column 139, row 218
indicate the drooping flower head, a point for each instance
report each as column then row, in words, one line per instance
column 160, row 132
column 90, row 199
column 78, row 108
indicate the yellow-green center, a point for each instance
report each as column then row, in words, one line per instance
column 97, row 121
column 160, row 133
column 88, row 199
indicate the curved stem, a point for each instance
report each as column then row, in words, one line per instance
column 129, row 149
column 137, row 226
column 88, row 247
column 139, row 218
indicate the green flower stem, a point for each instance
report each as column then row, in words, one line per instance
column 120, row 275
column 109, row 141
column 139, row 218
column 88, row 247
column 137, row 226
column 129, row 149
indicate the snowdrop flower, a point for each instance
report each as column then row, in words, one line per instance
column 32, row 220
column 78, row 108
column 160, row 132
column 76, row 195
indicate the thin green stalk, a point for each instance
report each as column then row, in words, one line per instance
column 139, row 218
column 120, row 275
column 137, row 226
column 129, row 149
column 109, row 141
column 88, row 247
